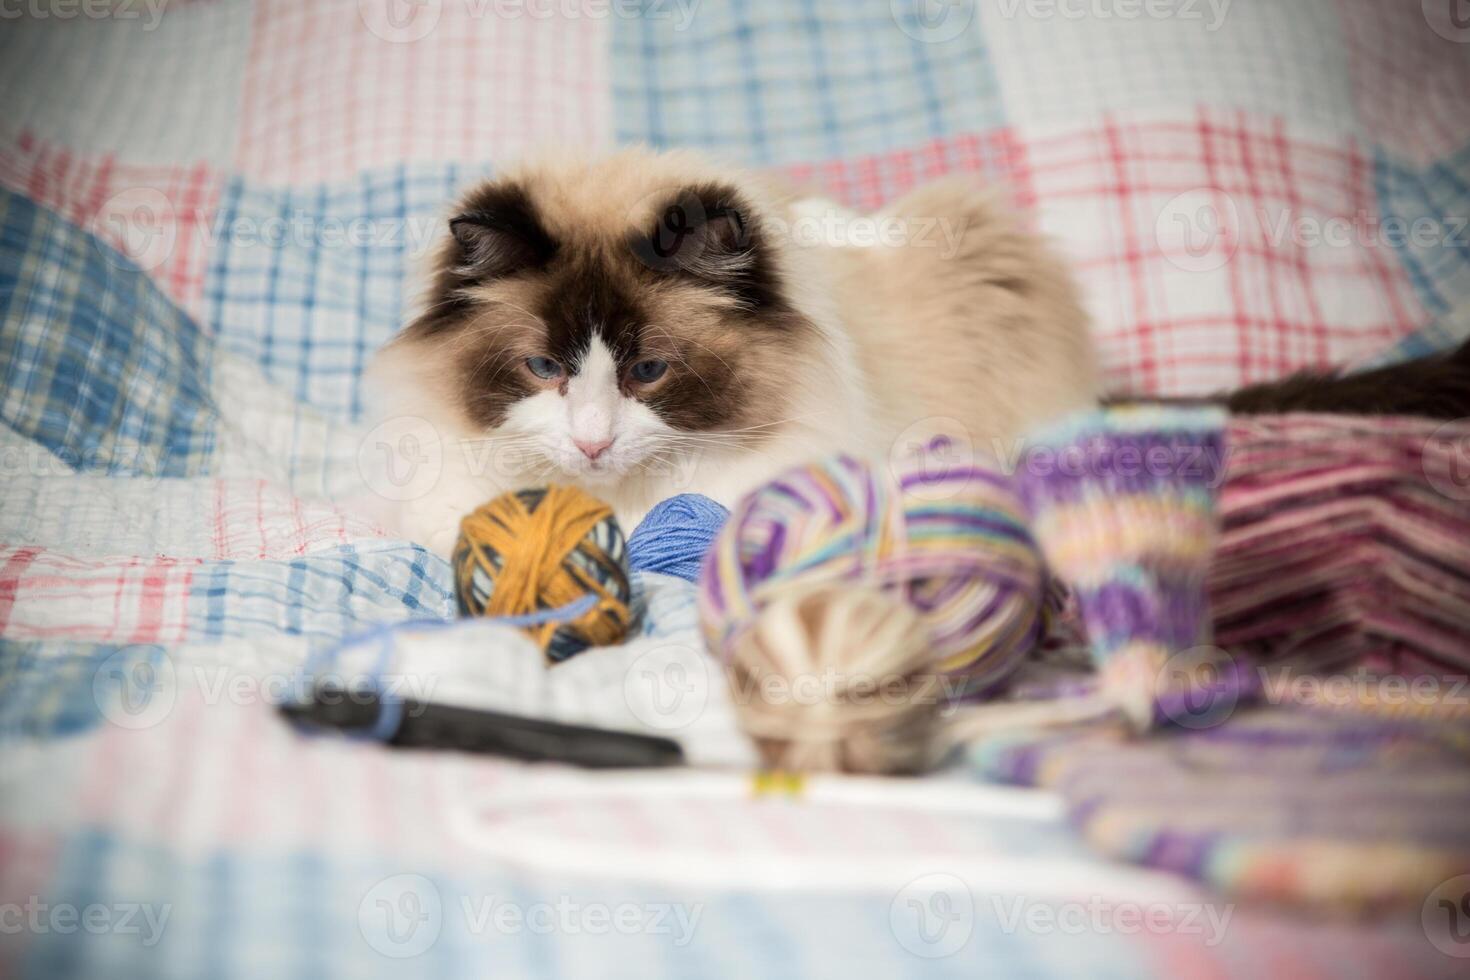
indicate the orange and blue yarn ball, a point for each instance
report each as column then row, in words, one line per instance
column 537, row 551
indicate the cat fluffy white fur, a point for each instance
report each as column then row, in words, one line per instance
column 954, row 313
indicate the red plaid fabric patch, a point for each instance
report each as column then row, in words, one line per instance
column 1223, row 249
column 157, row 216
column 46, row 595
column 332, row 88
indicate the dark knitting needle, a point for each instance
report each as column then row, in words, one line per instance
column 424, row 725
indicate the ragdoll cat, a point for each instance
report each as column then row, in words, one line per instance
column 648, row 324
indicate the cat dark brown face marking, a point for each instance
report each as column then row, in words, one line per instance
column 528, row 277
column 709, row 235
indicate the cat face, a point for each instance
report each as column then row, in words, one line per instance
column 609, row 318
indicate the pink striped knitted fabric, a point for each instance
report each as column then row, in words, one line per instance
column 1345, row 541
column 1343, row 566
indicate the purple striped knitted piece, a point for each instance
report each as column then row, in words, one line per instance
column 1123, row 504
column 1342, row 549
column 1296, row 806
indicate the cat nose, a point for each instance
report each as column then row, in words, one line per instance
column 593, row 449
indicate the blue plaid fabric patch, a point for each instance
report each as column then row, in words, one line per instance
column 774, row 82
column 1431, row 208
column 325, row 914
column 49, row 688
column 308, row 282
column 96, row 364
column 322, row 597
column 52, row 687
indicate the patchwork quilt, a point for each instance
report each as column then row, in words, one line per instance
column 208, row 211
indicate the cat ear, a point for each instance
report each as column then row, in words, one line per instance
column 708, row 233
column 499, row 234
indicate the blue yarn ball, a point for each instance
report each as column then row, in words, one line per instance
column 676, row 535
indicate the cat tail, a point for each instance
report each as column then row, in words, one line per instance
column 1436, row 386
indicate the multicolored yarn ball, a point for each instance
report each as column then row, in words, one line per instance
column 882, row 594
column 538, row 551
column 676, row 535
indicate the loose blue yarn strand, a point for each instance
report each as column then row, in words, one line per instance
column 672, row 540
column 390, row 706
column 676, row 535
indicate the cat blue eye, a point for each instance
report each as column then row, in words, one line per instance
column 647, row 372
column 544, row 367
